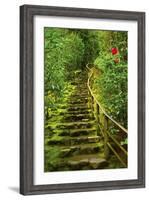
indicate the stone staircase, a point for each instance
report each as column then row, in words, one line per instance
column 72, row 142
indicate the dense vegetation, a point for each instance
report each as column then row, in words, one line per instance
column 63, row 52
column 112, row 84
column 69, row 50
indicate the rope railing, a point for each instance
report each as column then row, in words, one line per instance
column 105, row 124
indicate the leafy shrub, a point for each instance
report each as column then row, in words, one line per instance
column 63, row 53
column 111, row 85
column 62, row 49
column 91, row 45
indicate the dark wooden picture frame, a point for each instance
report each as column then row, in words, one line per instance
column 27, row 13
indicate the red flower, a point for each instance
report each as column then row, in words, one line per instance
column 114, row 50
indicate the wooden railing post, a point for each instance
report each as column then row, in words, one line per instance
column 94, row 106
column 92, row 103
column 89, row 99
column 96, row 114
column 105, row 131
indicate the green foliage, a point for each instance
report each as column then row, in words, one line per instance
column 91, row 45
column 62, row 50
column 103, row 61
column 63, row 53
column 51, row 100
column 51, row 158
column 109, row 39
column 125, row 141
column 112, row 83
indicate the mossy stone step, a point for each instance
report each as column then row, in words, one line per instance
column 78, row 117
column 76, row 104
column 79, row 80
column 79, row 86
column 84, row 111
column 70, row 105
column 81, row 149
column 77, row 100
column 69, row 125
column 78, row 108
column 69, row 112
column 79, row 95
column 72, row 140
column 74, row 125
column 90, row 161
column 81, row 164
column 71, row 117
column 76, row 82
column 76, row 132
column 57, row 113
column 81, row 92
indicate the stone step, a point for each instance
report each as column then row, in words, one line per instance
column 83, row 104
column 84, row 111
column 77, row 82
column 90, row 161
column 78, row 117
column 67, row 140
column 77, row 104
column 83, row 164
column 70, row 125
column 78, row 108
column 74, row 125
column 71, row 112
column 81, row 149
column 81, row 87
column 77, row 100
column 76, row 132
column 71, row 105
column 81, row 92
column 81, row 84
column 79, row 95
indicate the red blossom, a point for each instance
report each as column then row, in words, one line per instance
column 114, row 50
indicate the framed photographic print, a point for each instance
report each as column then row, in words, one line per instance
column 82, row 99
